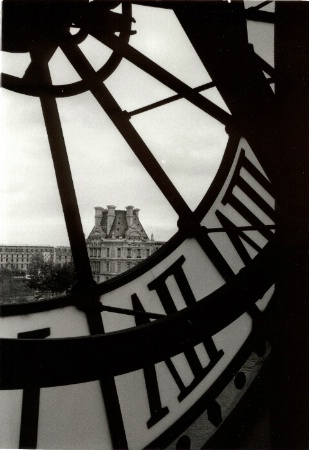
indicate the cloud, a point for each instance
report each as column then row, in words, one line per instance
column 161, row 37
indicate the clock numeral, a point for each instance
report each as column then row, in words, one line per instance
column 31, row 401
column 244, row 163
column 157, row 411
column 236, row 235
column 159, row 285
column 243, row 210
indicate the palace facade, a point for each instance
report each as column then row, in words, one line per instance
column 118, row 242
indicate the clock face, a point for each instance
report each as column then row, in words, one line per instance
column 159, row 356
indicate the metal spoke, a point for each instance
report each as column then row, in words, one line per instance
column 265, row 66
column 201, row 235
column 162, row 75
column 244, row 228
column 39, row 66
column 32, row 68
column 121, row 121
column 130, row 312
column 260, row 16
column 261, row 5
column 171, row 99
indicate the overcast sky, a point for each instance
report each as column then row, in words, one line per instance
column 188, row 144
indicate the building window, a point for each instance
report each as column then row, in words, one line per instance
column 129, row 255
column 118, row 252
column 139, row 253
column 107, row 267
column 107, row 252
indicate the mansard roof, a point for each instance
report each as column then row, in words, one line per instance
column 114, row 223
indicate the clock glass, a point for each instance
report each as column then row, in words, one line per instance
column 123, row 101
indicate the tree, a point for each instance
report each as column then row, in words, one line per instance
column 13, row 286
column 62, row 278
column 39, row 271
column 46, row 276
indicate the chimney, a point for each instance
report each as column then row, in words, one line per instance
column 136, row 211
column 110, row 217
column 129, row 215
column 98, row 215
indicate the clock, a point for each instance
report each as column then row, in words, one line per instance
column 159, row 356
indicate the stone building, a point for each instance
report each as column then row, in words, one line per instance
column 62, row 255
column 117, row 242
column 18, row 257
